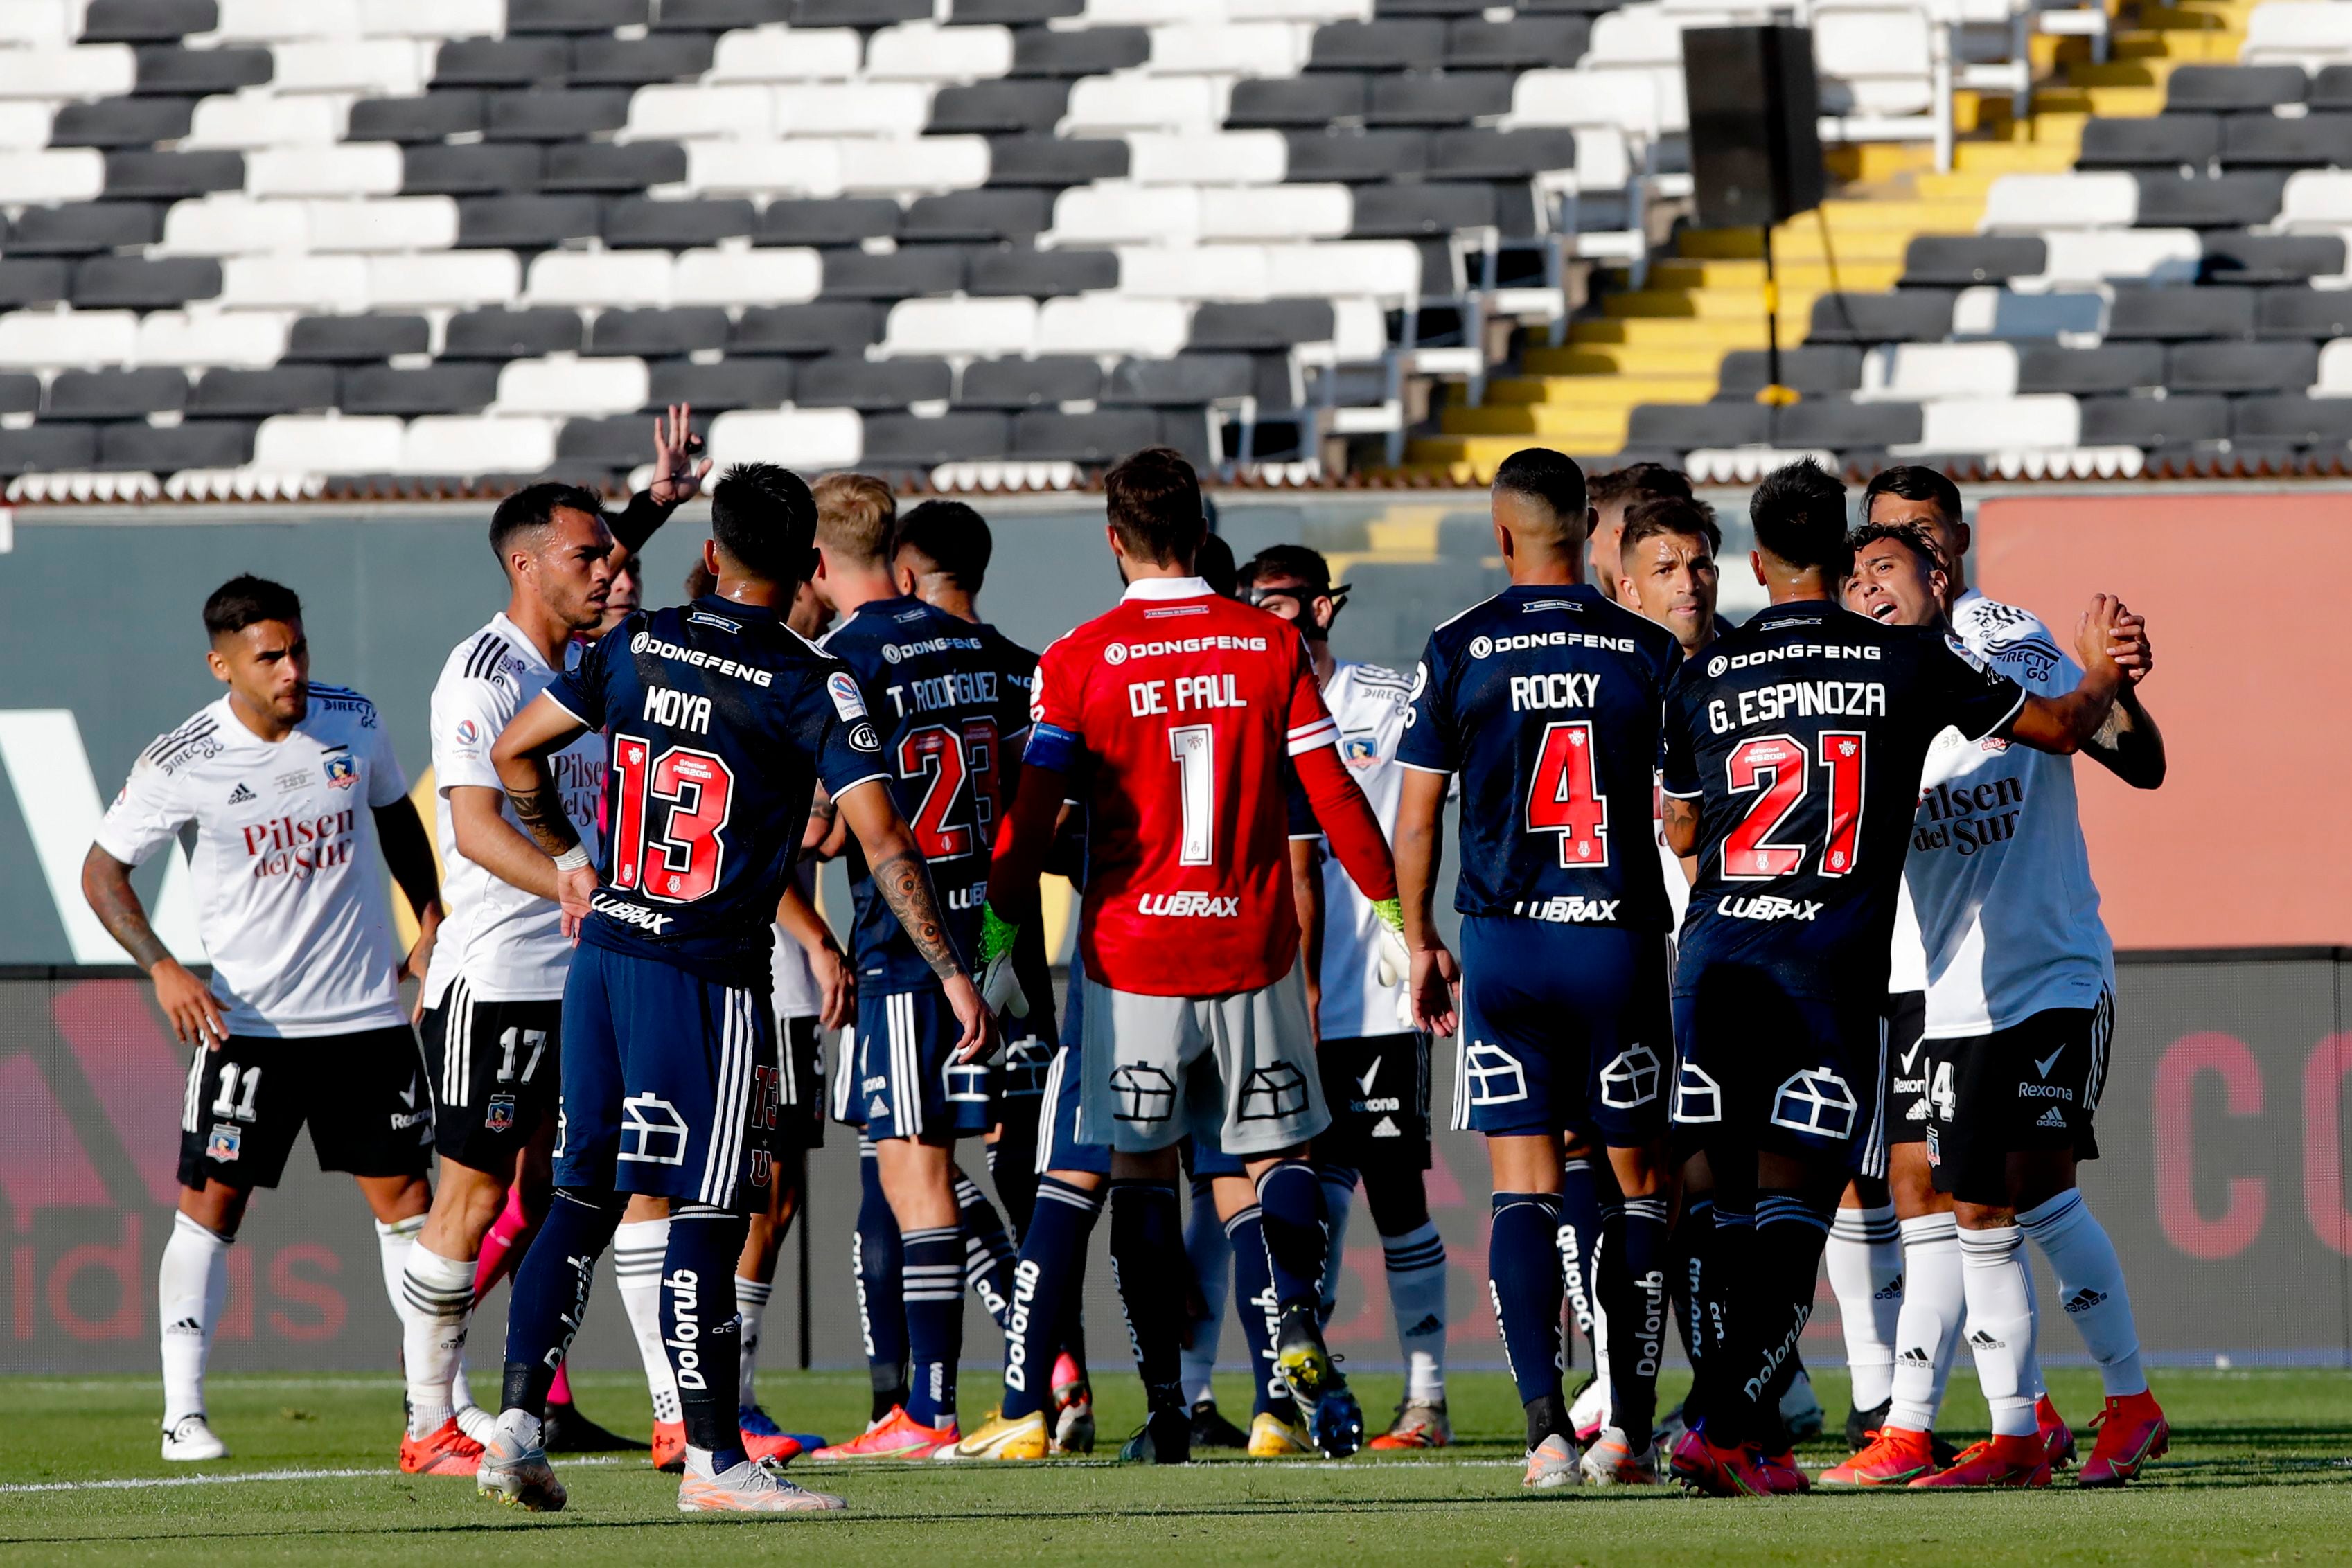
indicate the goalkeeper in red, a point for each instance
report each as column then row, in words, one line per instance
column 1173, row 720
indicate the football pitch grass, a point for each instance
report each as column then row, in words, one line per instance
column 2256, row 1472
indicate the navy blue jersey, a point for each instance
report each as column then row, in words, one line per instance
column 1802, row 735
column 952, row 700
column 1545, row 701
column 720, row 720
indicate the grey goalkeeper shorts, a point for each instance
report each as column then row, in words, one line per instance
column 1236, row 1072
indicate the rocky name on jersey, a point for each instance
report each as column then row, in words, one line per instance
column 1529, row 693
column 1966, row 818
column 1192, row 695
column 297, row 846
column 1804, row 699
column 958, row 688
column 677, row 710
column 646, row 642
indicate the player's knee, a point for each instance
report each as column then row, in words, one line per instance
column 1398, row 1199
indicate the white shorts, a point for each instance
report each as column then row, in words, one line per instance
column 1236, row 1072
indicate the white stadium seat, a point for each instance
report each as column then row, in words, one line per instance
column 2035, row 202
column 1106, row 324
column 2081, row 259
column 2335, row 370
column 1203, row 272
column 334, row 284
column 961, row 327
column 1627, row 100
column 744, row 111
column 1636, row 35
column 346, row 169
column 2042, row 422
column 434, row 19
column 226, row 339
column 896, row 109
column 92, row 70
column 476, row 443
column 765, row 276
column 1925, row 371
column 1232, row 48
column 803, row 438
column 36, row 24
column 1151, row 12
column 227, row 224
column 1108, row 105
column 322, row 444
column 925, row 51
column 1226, row 158
column 2319, row 200
column 763, row 168
column 385, row 224
column 25, row 125
column 271, row 21
column 50, row 175
column 1300, row 10
column 918, row 167
column 569, row 386
column 1110, row 212
column 1986, row 312
column 68, row 339
column 2297, row 32
column 1875, row 59
column 778, row 53
column 1375, row 268
column 600, row 279
column 376, row 67
column 455, row 280
column 1277, row 213
column 249, row 121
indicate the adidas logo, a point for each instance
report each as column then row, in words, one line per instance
column 1428, row 1325
column 190, row 1325
column 1983, row 1340
column 240, row 795
column 1386, row 1128
column 1893, row 1292
column 2084, row 1299
column 1916, row 1357
column 2053, row 1117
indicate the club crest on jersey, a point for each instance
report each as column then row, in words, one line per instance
column 652, row 1132
column 1360, row 751
column 1494, row 1075
column 1145, row 1094
column 847, row 700
column 499, row 1114
column 1631, row 1079
column 1275, row 1093
column 1815, row 1099
column 342, row 771
column 225, row 1143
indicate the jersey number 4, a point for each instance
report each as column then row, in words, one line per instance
column 679, row 863
column 1564, row 796
column 1776, row 770
column 952, row 758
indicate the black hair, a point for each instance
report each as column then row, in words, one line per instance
column 765, row 519
column 1799, row 512
column 1920, row 542
column 534, row 506
column 246, row 600
column 1213, row 561
column 1297, row 561
column 1910, row 482
column 1154, row 501
column 1638, row 482
column 953, row 537
column 1552, row 477
column 1652, row 515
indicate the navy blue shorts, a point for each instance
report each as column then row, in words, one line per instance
column 670, row 1085
column 1059, row 1145
column 904, row 1081
column 1564, row 1028
column 1759, row 1068
column 1208, row 1160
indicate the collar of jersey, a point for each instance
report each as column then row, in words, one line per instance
column 517, row 640
column 1166, row 587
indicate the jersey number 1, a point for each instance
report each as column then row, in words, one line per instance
column 1565, row 797
column 689, row 850
column 1775, row 770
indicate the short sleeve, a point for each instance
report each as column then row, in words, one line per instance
column 146, row 815
column 580, row 690
column 467, row 719
column 1311, row 723
column 1677, row 750
column 1976, row 702
column 834, row 724
column 386, row 782
column 1056, row 738
column 1429, row 744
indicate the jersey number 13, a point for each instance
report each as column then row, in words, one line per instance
column 680, row 862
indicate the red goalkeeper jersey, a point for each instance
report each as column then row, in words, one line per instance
column 1172, row 716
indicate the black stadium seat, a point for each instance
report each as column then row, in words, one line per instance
column 1048, row 435
column 2294, row 419
column 196, row 443
column 2238, row 366
column 1522, row 43
column 2154, row 423
column 117, row 394
column 1012, row 13
column 1438, row 97
column 147, row 21
column 1377, row 45
column 848, row 220
column 1002, row 107
column 2197, row 86
column 2233, row 257
column 121, row 121
column 1500, row 154
column 359, row 339
column 2180, row 313
column 859, row 12
column 48, row 449
column 1335, row 155
column 985, row 214
column 175, row 72
column 258, row 394
column 1960, row 261
column 1186, row 381
column 1905, row 316
column 823, row 326
column 526, row 223
column 912, row 441
column 744, row 382
column 1080, row 52
column 556, row 114
column 1041, row 274
column 470, row 169
column 444, row 388
column 634, row 62
column 2331, row 88
column 34, row 282
column 77, row 228
column 1412, row 211
column 1814, row 371
column 502, row 62
column 613, row 166
column 721, row 16
column 1684, row 426
column 659, row 334
column 1843, row 426
column 1309, row 100
column 172, row 176
column 641, row 223
column 2233, row 200
column 851, row 381
column 1041, row 383
column 2156, row 141
column 1054, row 160
column 511, row 334
column 140, row 282
column 907, row 273
column 1271, row 324
column 2309, row 141
column 19, row 393
column 577, row 16
column 2291, row 312
column 2101, row 368
column 429, row 117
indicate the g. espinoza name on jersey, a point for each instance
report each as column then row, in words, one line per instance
column 1768, row 705
column 1217, row 907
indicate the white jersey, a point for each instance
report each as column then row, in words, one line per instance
column 1997, row 871
column 793, row 982
column 507, row 945
column 290, row 887
column 1369, row 705
column 1907, row 965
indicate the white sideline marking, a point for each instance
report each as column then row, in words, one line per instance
column 135, row 1483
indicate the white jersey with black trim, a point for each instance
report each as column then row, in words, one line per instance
column 1369, row 705
column 1997, row 871
column 793, row 983
column 507, row 945
column 290, row 887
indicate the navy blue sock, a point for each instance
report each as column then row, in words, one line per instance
column 1046, row 1292
column 877, row 1261
column 699, row 1326
column 934, row 1321
column 1259, row 1309
column 1633, row 1272
column 1714, row 1388
column 1523, row 1267
column 1297, row 1231
column 1147, row 1260
column 1792, row 1231
column 1012, row 1167
column 1579, row 1241
column 988, row 1251
column 550, row 1297
column 1686, row 1268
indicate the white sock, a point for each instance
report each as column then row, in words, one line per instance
column 1865, row 1256
column 2030, row 1378
column 2000, row 1324
column 1211, row 1257
column 439, row 1294
column 461, row 1396
column 1416, row 1272
column 750, row 1302
column 1932, row 1304
column 1338, row 1204
column 2090, row 1281
column 191, row 1288
column 393, row 1243
column 638, row 1249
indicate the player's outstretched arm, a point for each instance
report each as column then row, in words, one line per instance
column 543, row 727
column 187, row 1001
column 836, row 986
column 408, row 855
column 1419, row 845
column 2128, row 745
column 2065, row 725
column 897, row 867
column 490, row 841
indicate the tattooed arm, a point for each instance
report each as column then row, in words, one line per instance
column 188, row 1002
column 897, row 868
column 520, row 754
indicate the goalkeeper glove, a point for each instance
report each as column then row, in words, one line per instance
column 1392, row 959
column 999, row 987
